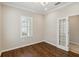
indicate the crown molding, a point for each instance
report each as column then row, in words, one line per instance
column 23, row 8
column 35, row 11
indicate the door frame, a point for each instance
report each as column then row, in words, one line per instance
column 66, row 48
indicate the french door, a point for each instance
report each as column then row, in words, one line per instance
column 62, row 33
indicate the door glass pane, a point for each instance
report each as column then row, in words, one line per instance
column 62, row 32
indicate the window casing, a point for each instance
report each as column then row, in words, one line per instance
column 26, row 26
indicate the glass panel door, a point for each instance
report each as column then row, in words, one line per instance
column 62, row 32
column 63, row 39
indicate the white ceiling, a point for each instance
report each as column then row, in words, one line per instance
column 36, row 6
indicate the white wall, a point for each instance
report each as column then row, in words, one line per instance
column 51, row 21
column 11, row 28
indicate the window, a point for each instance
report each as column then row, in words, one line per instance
column 26, row 26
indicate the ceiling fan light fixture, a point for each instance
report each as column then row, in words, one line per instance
column 44, row 3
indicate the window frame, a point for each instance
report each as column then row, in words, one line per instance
column 31, row 27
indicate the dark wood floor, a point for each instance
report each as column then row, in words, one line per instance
column 39, row 50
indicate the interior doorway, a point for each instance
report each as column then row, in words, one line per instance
column 74, row 33
column 68, row 33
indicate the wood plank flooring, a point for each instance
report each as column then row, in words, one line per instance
column 39, row 50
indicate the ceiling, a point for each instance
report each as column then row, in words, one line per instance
column 37, row 6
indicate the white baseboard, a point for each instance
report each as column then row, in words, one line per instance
column 19, row 46
column 74, row 43
column 26, row 45
column 50, row 43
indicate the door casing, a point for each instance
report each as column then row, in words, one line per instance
column 66, row 47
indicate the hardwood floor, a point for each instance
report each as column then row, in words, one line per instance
column 39, row 50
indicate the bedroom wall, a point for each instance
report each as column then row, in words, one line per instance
column 11, row 28
column 51, row 21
